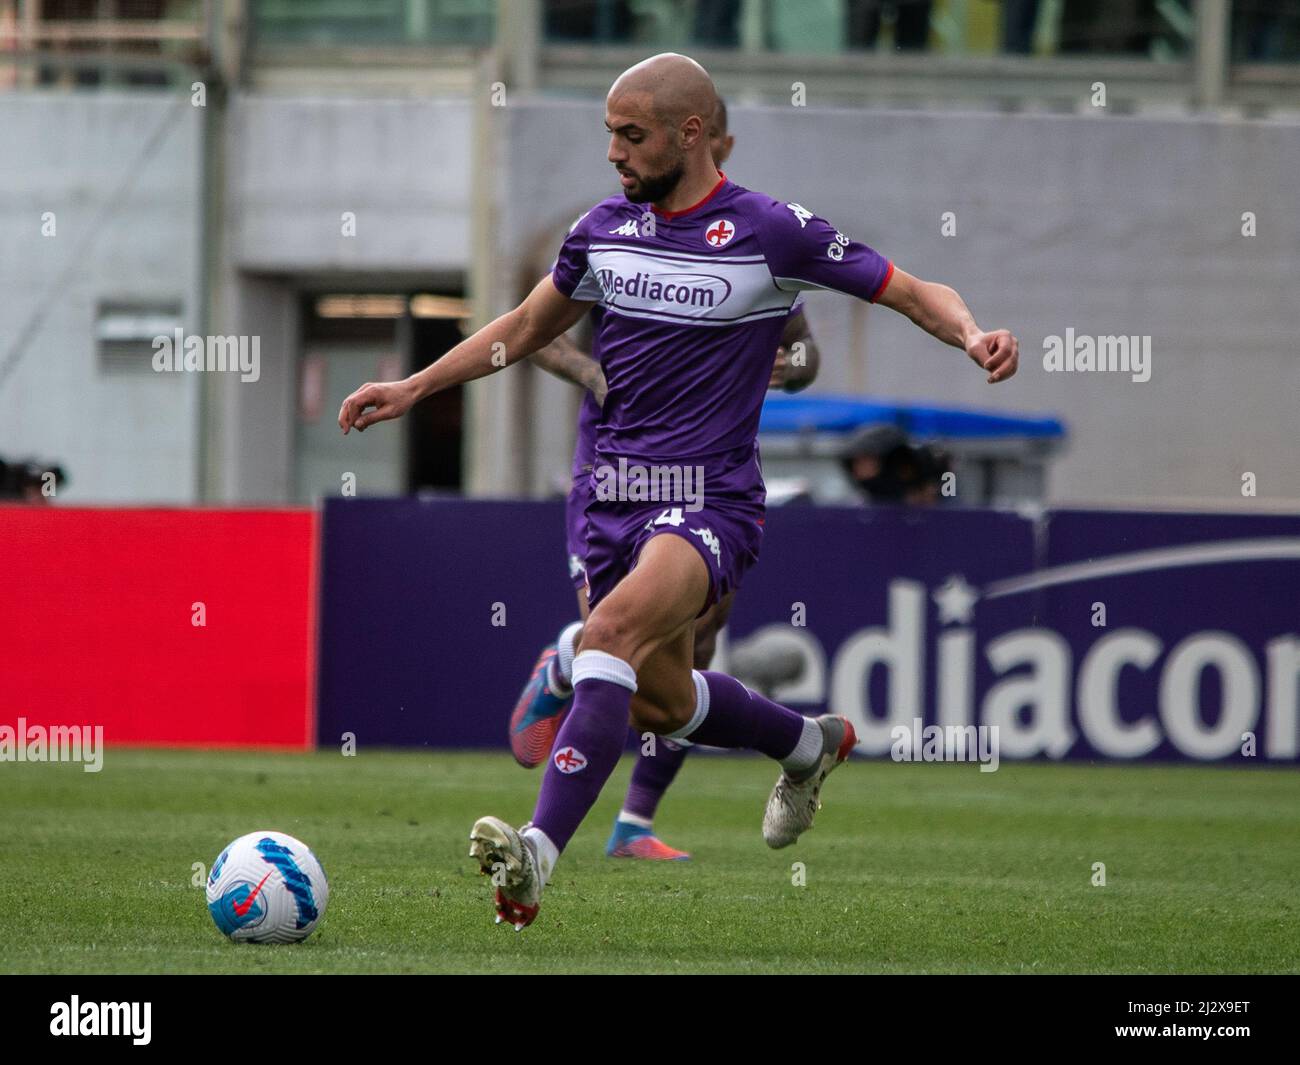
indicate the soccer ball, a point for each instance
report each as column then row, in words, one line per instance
column 267, row 887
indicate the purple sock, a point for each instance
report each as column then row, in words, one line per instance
column 651, row 777
column 734, row 716
column 588, row 745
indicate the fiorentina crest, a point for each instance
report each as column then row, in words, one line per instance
column 570, row 760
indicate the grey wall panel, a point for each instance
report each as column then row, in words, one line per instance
column 1105, row 225
column 122, row 438
column 401, row 166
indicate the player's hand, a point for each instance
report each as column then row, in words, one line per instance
column 375, row 402
column 997, row 352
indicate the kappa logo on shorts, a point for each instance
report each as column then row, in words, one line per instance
column 576, row 568
column 710, row 541
column 570, row 760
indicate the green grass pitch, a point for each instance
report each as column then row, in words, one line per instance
column 911, row 868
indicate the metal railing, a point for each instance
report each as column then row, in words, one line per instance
column 38, row 47
column 433, row 46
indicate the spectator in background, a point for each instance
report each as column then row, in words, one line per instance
column 716, row 23
column 29, row 481
column 1018, row 20
column 887, row 468
column 588, row 20
column 1265, row 31
column 911, row 23
column 1108, row 27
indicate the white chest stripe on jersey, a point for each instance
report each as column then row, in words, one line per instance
column 674, row 287
column 664, row 253
column 780, row 312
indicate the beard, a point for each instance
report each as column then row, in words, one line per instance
column 657, row 187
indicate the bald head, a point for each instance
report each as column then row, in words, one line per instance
column 676, row 86
column 659, row 114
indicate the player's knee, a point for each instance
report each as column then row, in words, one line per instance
column 607, row 631
column 645, row 716
column 648, row 715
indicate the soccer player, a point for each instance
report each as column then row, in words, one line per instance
column 692, row 318
column 540, row 709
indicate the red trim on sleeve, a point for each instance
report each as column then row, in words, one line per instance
column 888, row 274
column 722, row 180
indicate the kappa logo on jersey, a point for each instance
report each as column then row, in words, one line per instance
column 570, row 760
column 718, row 233
column 627, row 229
column 800, row 212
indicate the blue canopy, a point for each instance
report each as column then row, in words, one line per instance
column 843, row 414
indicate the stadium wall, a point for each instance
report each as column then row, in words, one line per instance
column 1127, row 226
column 1083, row 635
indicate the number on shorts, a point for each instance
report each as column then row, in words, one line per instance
column 670, row 517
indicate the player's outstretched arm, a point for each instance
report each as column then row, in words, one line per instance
column 943, row 314
column 544, row 315
column 563, row 358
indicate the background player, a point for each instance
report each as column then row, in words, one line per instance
column 546, row 697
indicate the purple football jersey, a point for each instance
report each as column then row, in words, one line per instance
column 693, row 306
column 584, row 448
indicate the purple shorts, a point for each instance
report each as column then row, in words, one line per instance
column 575, row 529
column 727, row 534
